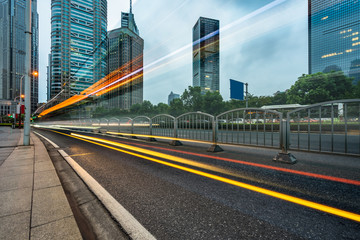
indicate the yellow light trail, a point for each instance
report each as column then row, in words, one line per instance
column 159, row 137
column 102, row 83
column 296, row 200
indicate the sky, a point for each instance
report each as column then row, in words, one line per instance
column 262, row 42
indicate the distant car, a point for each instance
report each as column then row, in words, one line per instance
column 237, row 120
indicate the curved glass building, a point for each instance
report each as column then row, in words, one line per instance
column 334, row 37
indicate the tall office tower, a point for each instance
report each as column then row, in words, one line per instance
column 12, row 57
column 78, row 45
column 34, row 56
column 206, row 55
column 334, row 39
column 125, row 61
column 48, row 82
column 172, row 96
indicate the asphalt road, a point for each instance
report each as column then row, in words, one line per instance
column 174, row 203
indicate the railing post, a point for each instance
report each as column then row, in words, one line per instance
column 214, row 147
column 151, row 139
column 132, row 126
column 118, row 128
column 284, row 132
column 175, row 141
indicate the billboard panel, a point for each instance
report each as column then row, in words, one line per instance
column 236, row 90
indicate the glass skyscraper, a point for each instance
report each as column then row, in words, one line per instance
column 125, row 60
column 334, row 39
column 12, row 57
column 78, row 45
column 206, row 54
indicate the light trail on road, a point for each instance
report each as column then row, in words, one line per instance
column 289, row 198
column 315, row 175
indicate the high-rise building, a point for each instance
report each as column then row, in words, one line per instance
column 206, row 55
column 12, row 57
column 48, row 77
column 34, row 56
column 172, row 96
column 334, row 39
column 125, row 60
column 78, row 45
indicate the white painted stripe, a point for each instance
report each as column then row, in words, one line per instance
column 51, row 142
column 124, row 218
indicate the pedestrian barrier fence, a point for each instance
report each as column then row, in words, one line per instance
column 195, row 126
column 141, row 125
column 332, row 126
column 125, row 125
column 164, row 125
column 324, row 127
column 249, row 126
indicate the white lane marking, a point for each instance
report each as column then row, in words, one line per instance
column 124, row 218
column 51, row 142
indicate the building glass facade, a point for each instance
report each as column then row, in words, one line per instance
column 172, row 96
column 334, row 37
column 78, row 45
column 125, row 58
column 206, row 55
column 12, row 59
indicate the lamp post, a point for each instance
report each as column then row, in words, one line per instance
column 21, row 96
column 28, row 74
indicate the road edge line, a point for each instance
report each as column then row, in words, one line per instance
column 51, row 142
column 127, row 221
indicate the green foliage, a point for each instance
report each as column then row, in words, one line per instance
column 192, row 99
column 320, row 87
column 308, row 89
column 177, row 107
column 279, row 98
column 213, row 103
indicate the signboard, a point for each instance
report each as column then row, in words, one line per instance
column 236, row 90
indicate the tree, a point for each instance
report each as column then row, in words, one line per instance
column 320, row 87
column 100, row 112
column 161, row 108
column 146, row 107
column 136, row 108
column 192, row 99
column 279, row 98
column 176, row 107
column 213, row 103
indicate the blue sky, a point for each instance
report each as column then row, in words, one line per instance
column 261, row 44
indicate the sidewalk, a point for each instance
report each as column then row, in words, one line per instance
column 33, row 204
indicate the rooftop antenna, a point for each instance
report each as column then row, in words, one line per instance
column 130, row 6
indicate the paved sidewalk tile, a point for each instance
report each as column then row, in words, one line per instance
column 66, row 229
column 18, row 162
column 15, row 171
column 15, row 201
column 44, row 166
column 49, row 204
column 46, row 179
column 15, row 226
column 16, row 182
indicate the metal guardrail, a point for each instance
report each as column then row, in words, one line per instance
column 332, row 126
column 324, row 127
column 249, row 126
column 164, row 125
column 195, row 126
column 141, row 125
